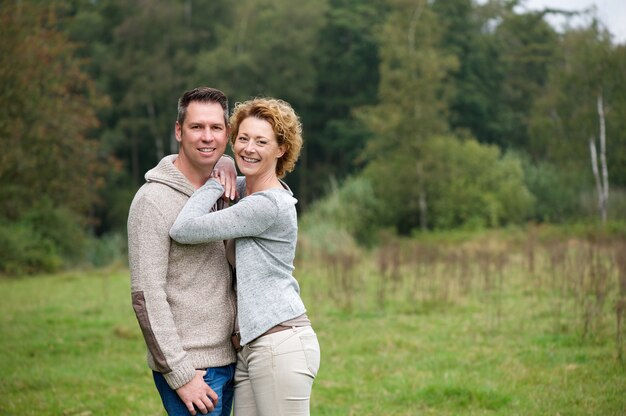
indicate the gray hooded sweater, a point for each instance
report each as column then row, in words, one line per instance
column 265, row 227
column 182, row 295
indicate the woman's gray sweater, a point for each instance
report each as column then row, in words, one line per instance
column 265, row 227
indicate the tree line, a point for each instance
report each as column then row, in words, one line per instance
column 418, row 115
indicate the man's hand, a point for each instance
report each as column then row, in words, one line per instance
column 198, row 393
column 225, row 172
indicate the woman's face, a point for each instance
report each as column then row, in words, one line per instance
column 256, row 149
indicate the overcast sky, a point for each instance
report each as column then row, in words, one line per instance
column 610, row 12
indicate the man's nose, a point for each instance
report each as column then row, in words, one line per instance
column 207, row 134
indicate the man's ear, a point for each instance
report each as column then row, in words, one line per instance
column 178, row 132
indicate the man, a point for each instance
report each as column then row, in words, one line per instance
column 183, row 294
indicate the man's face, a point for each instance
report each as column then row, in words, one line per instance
column 202, row 136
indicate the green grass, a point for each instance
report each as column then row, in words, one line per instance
column 71, row 346
column 446, row 365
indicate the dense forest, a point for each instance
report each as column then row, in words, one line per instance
column 418, row 115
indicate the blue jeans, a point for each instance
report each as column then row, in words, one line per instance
column 220, row 379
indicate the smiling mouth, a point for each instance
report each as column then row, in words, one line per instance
column 248, row 160
column 206, row 149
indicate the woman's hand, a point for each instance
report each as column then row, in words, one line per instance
column 226, row 173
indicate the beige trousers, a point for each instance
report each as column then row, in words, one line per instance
column 275, row 373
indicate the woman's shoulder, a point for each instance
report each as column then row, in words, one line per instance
column 283, row 198
column 273, row 197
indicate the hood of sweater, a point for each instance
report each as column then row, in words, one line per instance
column 168, row 174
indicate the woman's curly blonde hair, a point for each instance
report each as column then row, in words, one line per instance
column 284, row 121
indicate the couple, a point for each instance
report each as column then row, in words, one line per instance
column 203, row 346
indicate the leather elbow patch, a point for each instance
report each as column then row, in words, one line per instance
column 139, row 305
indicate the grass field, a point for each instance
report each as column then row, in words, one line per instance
column 422, row 334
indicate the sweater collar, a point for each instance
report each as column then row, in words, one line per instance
column 168, row 174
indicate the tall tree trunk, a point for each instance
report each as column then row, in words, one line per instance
column 158, row 140
column 596, row 173
column 303, row 198
column 605, row 172
column 423, row 207
column 134, row 157
column 413, row 24
column 602, row 182
column 188, row 9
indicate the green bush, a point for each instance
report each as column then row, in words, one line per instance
column 351, row 208
column 472, row 185
column 24, row 251
column 464, row 184
column 461, row 183
column 558, row 192
column 44, row 239
column 617, row 204
column 616, row 207
column 60, row 226
column 107, row 249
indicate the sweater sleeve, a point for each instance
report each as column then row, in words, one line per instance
column 250, row 217
column 149, row 245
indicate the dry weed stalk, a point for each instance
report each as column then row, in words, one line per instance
column 464, row 271
column 423, row 263
column 417, row 266
column 530, row 250
column 501, row 260
column 620, row 305
column 557, row 253
column 486, row 264
column 596, row 289
column 383, row 267
column 483, row 259
column 393, row 252
column 578, row 269
column 341, row 271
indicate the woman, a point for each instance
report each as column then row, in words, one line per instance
column 280, row 355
